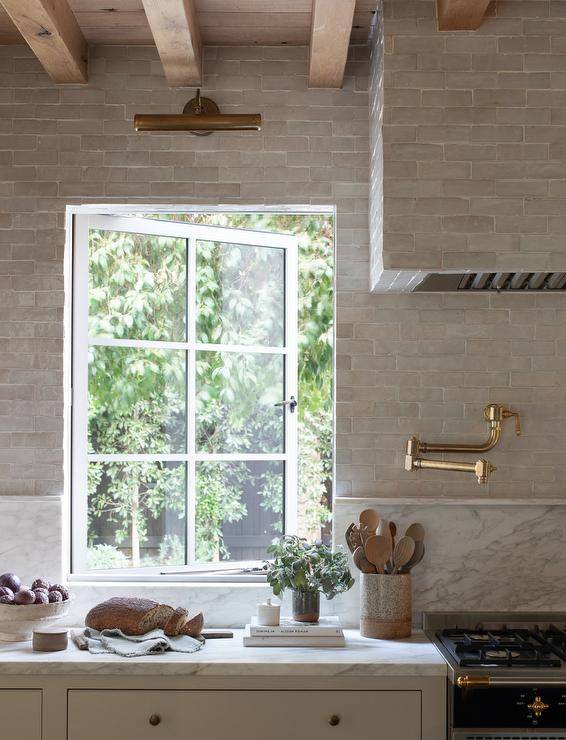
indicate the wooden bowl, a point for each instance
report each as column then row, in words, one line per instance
column 17, row 623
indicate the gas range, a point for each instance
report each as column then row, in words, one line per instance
column 504, row 647
column 507, row 673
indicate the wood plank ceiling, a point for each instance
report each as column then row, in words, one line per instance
column 180, row 28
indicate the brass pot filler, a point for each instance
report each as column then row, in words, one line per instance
column 494, row 414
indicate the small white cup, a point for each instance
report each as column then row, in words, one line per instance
column 268, row 614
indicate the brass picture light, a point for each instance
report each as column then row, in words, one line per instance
column 494, row 414
column 201, row 116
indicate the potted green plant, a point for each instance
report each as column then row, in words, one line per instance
column 308, row 570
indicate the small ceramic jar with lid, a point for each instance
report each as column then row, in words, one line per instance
column 268, row 614
column 50, row 639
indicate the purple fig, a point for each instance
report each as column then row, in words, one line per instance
column 41, row 596
column 5, row 591
column 24, row 597
column 6, row 599
column 55, row 596
column 40, row 583
column 63, row 590
column 11, row 581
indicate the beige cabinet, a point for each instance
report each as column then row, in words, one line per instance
column 243, row 715
column 20, row 714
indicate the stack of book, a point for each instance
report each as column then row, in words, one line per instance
column 327, row 632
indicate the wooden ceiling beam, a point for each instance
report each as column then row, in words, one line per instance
column 176, row 33
column 460, row 15
column 331, row 27
column 51, row 30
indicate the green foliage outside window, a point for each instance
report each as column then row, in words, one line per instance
column 137, row 400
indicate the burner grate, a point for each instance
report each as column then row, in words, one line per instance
column 555, row 639
column 520, row 648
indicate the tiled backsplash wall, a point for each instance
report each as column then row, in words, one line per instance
column 475, row 138
column 427, row 364
column 407, row 364
column 74, row 144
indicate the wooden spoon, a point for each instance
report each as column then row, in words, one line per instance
column 356, row 537
column 369, row 518
column 403, row 552
column 392, row 535
column 362, row 562
column 415, row 558
column 393, row 531
column 348, row 537
column 416, row 532
column 378, row 551
column 384, row 529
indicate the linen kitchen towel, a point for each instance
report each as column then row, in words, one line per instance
column 136, row 646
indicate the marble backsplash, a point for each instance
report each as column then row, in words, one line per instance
column 31, row 537
column 481, row 555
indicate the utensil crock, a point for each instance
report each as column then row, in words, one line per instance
column 385, row 606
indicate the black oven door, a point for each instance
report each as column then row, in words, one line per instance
column 510, row 707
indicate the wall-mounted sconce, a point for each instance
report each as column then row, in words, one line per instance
column 494, row 414
column 200, row 116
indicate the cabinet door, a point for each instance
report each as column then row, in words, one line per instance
column 20, row 714
column 244, row 715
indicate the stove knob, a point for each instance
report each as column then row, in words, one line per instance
column 538, row 706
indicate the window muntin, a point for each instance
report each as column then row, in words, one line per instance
column 164, row 351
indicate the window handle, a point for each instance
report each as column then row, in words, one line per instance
column 291, row 403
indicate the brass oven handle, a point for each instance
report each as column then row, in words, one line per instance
column 473, row 682
column 484, row 682
column 155, row 720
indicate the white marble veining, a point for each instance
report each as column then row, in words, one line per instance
column 31, row 537
column 491, row 555
column 505, row 556
column 415, row 656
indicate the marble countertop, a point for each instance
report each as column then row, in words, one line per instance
column 415, row 656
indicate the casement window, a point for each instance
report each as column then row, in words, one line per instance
column 184, row 386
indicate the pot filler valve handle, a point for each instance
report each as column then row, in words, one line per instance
column 495, row 413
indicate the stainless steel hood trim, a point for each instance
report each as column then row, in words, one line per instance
column 437, row 282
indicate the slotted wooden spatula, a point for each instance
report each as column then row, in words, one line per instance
column 403, row 552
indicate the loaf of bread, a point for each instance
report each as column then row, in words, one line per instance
column 176, row 621
column 136, row 616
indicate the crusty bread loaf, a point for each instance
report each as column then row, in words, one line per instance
column 131, row 615
column 193, row 626
column 136, row 616
column 176, row 621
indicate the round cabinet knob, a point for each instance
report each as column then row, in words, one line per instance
column 334, row 720
column 154, row 720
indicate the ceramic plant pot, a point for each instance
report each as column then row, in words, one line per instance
column 18, row 622
column 385, row 606
column 306, row 606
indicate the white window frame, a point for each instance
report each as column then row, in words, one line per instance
column 79, row 220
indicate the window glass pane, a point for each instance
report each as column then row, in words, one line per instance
column 137, row 286
column 239, row 509
column 235, row 401
column 136, row 514
column 136, row 400
column 240, row 294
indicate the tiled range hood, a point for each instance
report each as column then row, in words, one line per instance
column 467, row 153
